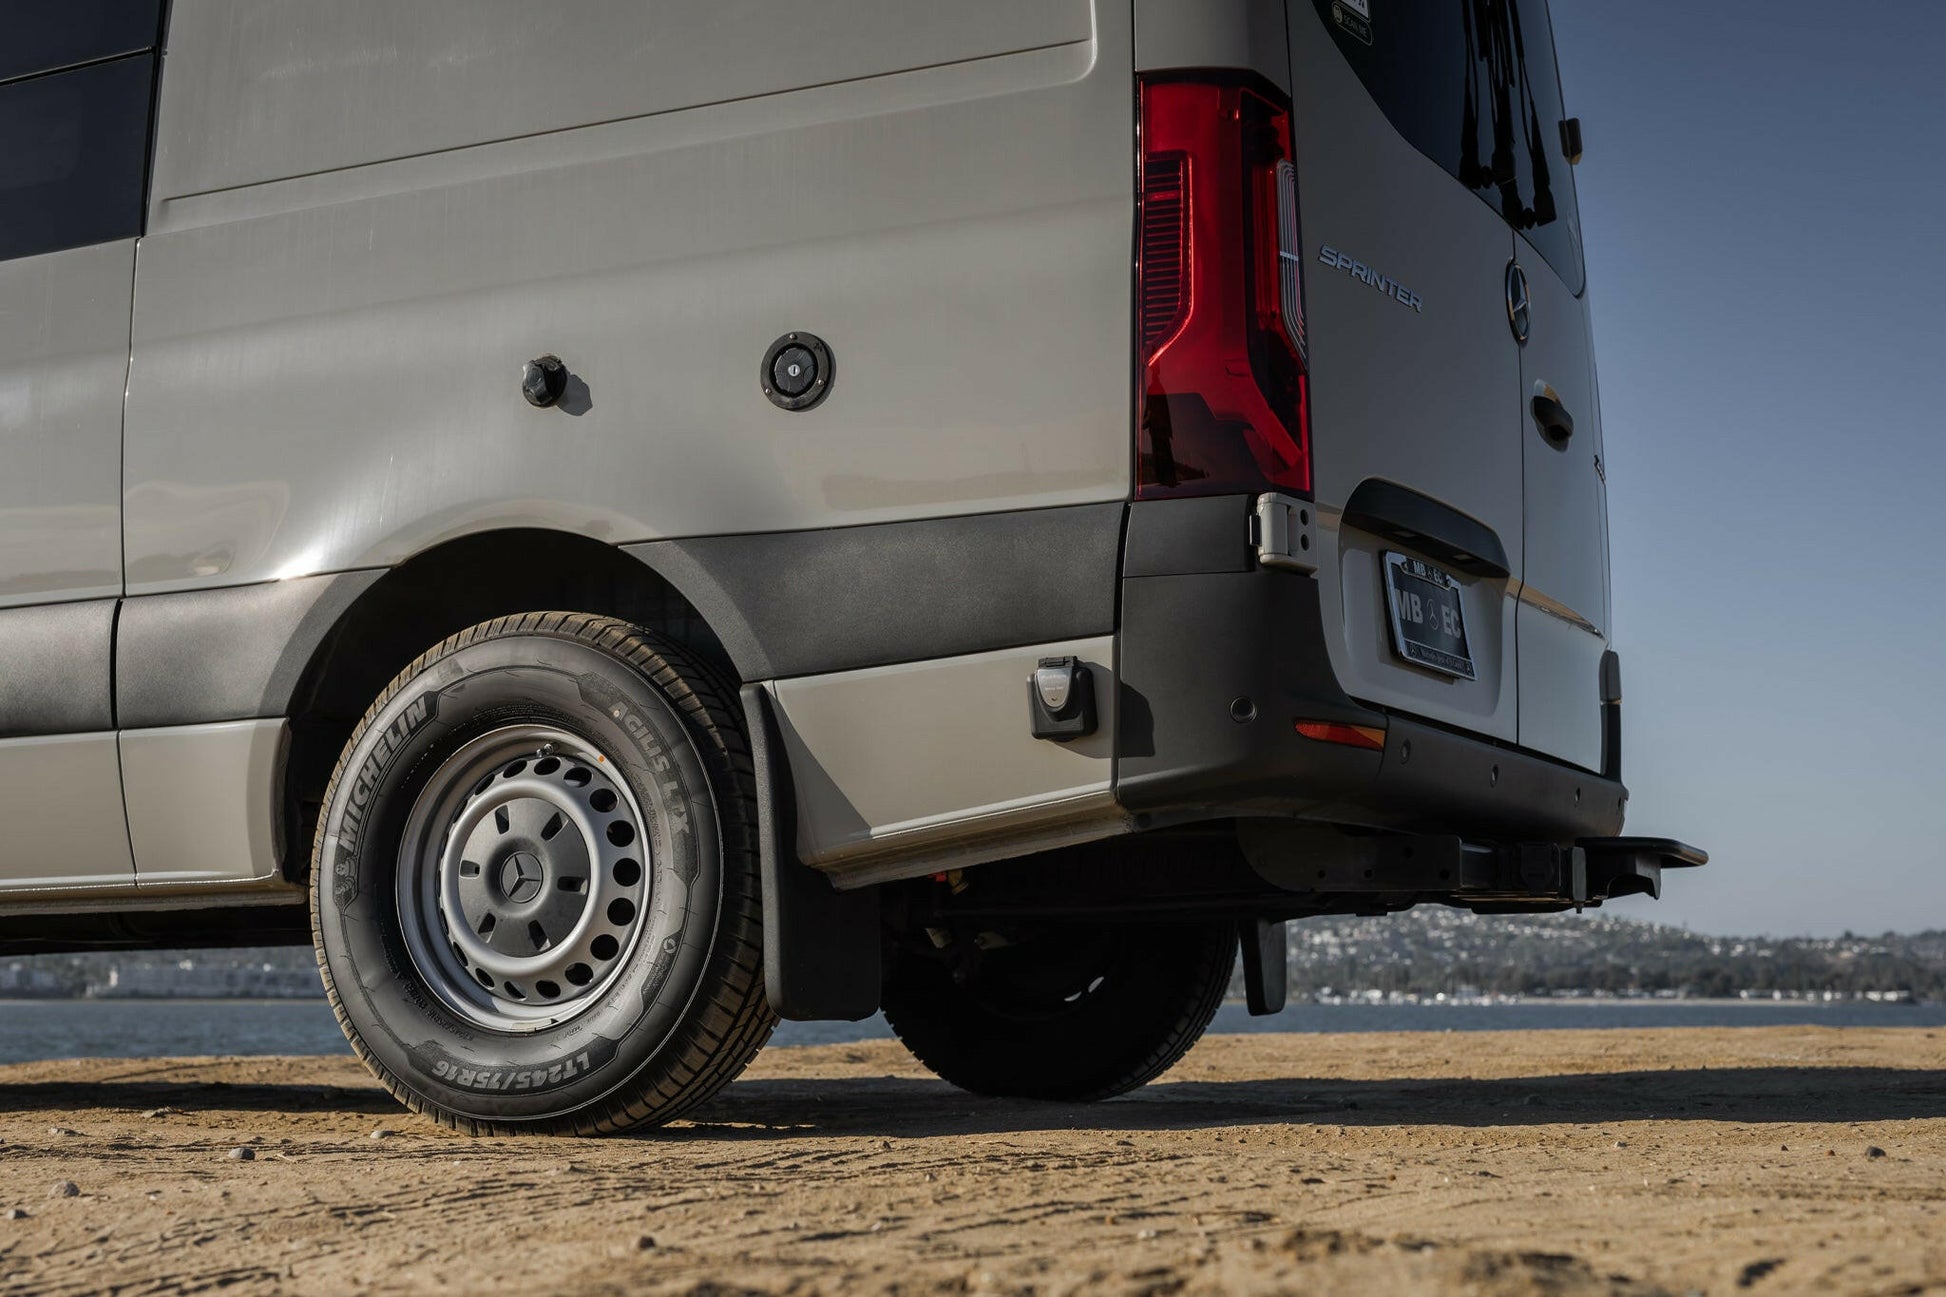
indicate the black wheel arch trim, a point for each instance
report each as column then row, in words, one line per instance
column 798, row 603
column 55, row 668
column 781, row 603
column 226, row 654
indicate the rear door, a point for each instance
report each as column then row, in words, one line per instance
column 1562, row 623
column 1414, row 367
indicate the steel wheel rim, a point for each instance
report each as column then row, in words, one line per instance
column 523, row 881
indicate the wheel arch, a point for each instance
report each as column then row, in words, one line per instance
column 821, row 946
column 338, row 664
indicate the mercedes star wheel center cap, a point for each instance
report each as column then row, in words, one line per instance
column 521, row 878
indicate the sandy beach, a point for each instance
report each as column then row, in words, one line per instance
column 1767, row 1160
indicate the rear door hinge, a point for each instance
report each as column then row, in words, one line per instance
column 1281, row 533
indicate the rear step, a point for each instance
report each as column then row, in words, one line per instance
column 1485, row 877
column 1615, row 862
column 1597, row 869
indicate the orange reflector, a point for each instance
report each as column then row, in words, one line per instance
column 1352, row 736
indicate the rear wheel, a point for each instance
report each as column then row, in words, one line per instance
column 1065, row 1013
column 535, row 891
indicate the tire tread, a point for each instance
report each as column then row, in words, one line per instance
column 698, row 1059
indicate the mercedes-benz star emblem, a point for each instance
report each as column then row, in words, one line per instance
column 1518, row 311
column 520, row 878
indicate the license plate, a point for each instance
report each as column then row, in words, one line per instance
column 1428, row 624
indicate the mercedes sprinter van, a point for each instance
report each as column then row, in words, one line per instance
column 620, row 522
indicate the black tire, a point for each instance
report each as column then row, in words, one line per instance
column 670, row 1005
column 1069, row 1014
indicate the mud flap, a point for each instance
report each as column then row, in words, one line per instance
column 821, row 945
column 1266, row 968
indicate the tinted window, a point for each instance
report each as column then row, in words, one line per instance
column 1472, row 85
column 74, row 152
column 41, row 35
column 1553, row 223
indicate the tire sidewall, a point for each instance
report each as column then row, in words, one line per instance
column 428, row 1048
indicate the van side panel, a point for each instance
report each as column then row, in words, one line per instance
column 901, row 770
column 201, row 802
column 268, row 89
column 326, row 367
column 63, row 363
column 69, row 833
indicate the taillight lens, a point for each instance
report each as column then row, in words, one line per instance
column 1351, row 736
column 1225, row 394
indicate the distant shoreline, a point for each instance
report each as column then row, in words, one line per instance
column 32, row 1029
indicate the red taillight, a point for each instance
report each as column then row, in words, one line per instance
column 1225, row 398
column 1351, row 736
column 1165, row 248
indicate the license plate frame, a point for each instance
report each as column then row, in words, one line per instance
column 1418, row 598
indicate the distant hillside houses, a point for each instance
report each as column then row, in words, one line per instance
column 24, row 979
column 274, row 973
column 1434, row 950
column 203, row 977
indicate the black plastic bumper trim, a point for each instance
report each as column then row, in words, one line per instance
column 810, row 602
column 783, row 604
column 54, row 668
column 1183, row 537
column 1199, row 651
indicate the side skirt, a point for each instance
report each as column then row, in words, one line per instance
column 202, row 803
column 199, row 801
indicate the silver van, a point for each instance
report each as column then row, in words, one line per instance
column 621, row 522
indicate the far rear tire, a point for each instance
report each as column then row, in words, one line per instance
column 1068, row 1013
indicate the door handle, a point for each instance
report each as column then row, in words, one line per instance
column 1552, row 418
column 1436, row 530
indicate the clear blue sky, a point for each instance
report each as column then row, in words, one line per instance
column 1764, row 203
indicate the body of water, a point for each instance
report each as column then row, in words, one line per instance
column 36, row 1029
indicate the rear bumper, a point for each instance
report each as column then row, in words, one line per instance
column 1203, row 627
